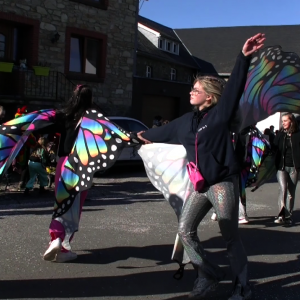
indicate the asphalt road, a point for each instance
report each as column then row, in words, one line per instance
column 125, row 243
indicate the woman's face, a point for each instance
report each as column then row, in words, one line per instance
column 198, row 97
column 286, row 122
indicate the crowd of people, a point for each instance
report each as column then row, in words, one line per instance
column 36, row 161
column 214, row 103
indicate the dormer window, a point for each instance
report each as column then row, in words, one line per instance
column 148, row 71
column 161, row 44
column 169, row 46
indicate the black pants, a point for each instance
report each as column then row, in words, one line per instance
column 224, row 198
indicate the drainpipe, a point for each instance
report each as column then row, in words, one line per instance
column 136, row 36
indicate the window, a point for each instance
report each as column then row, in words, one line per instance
column 130, row 125
column 84, row 61
column 85, row 55
column 102, row 4
column 2, row 45
column 175, row 48
column 168, row 46
column 148, row 72
column 160, row 44
column 18, row 38
column 173, row 74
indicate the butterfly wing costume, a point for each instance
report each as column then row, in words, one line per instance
column 98, row 145
column 273, row 85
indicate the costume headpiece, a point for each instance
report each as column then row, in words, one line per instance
column 21, row 112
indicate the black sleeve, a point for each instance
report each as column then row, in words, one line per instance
column 234, row 88
column 166, row 133
column 276, row 141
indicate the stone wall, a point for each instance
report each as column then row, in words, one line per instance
column 118, row 22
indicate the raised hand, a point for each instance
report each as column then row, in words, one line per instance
column 253, row 44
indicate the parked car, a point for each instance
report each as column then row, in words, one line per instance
column 132, row 125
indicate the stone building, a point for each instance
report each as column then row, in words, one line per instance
column 164, row 73
column 81, row 41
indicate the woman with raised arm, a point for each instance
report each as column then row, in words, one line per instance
column 206, row 137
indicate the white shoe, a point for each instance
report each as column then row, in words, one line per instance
column 244, row 220
column 54, row 248
column 65, row 256
column 214, row 217
column 279, row 220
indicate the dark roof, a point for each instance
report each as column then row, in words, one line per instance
column 163, row 30
column 145, row 47
column 221, row 45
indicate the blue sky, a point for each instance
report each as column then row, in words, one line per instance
column 221, row 13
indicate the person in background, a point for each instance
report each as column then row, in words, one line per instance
column 51, row 167
column 165, row 122
column 37, row 166
column 271, row 136
column 2, row 113
column 157, row 121
column 287, row 162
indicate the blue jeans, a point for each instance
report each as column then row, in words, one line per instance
column 36, row 168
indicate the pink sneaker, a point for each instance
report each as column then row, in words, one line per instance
column 53, row 250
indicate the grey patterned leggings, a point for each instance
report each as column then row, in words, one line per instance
column 287, row 180
column 224, row 197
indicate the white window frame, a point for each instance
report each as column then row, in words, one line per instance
column 177, row 48
column 148, row 71
column 166, row 46
column 162, row 42
column 173, row 74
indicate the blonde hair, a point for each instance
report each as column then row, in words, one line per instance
column 213, row 86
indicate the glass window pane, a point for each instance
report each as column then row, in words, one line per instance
column 75, row 55
column 92, row 56
column 122, row 123
column 2, row 45
column 136, row 126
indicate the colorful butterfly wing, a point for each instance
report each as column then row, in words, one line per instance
column 97, row 147
column 14, row 134
column 273, row 85
column 257, row 149
column 165, row 166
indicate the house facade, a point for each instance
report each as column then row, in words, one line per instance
column 164, row 73
column 75, row 42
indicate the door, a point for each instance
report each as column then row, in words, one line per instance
column 166, row 107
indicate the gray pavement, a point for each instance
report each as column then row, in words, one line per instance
column 125, row 242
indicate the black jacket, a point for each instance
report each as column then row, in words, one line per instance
column 279, row 145
column 216, row 157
